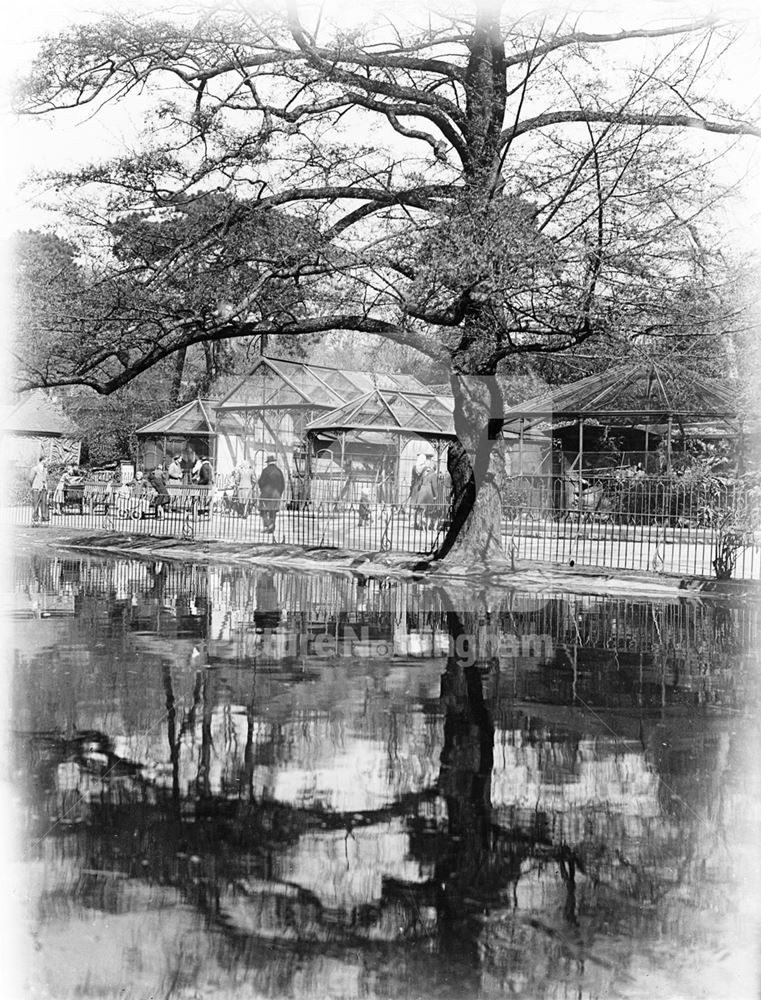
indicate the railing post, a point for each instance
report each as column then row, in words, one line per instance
column 581, row 463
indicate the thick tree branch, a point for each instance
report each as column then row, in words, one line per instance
column 592, row 38
column 329, row 65
column 594, row 116
column 193, row 333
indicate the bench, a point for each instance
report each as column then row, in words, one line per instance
column 196, row 500
column 104, row 498
column 98, row 495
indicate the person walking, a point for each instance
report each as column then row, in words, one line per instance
column 427, row 492
column 38, row 480
column 244, row 487
column 271, row 485
column 59, row 494
column 157, row 479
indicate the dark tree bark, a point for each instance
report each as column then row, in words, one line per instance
column 177, row 376
column 476, row 468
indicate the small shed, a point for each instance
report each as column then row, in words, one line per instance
column 188, row 431
column 37, row 425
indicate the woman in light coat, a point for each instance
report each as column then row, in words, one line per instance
column 427, row 494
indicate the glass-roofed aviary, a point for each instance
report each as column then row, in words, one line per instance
column 274, row 409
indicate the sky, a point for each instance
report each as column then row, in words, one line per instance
column 45, row 143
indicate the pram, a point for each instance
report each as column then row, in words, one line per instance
column 593, row 500
column 147, row 504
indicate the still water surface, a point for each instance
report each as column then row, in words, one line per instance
column 244, row 783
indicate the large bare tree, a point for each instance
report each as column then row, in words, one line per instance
column 475, row 184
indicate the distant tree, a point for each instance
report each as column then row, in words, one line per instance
column 472, row 184
column 109, row 423
column 49, row 302
column 66, row 301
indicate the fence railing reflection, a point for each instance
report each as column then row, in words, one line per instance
column 341, row 605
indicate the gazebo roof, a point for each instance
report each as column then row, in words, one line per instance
column 646, row 392
column 195, row 417
column 37, row 413
column 278, row 384
column 393, row 411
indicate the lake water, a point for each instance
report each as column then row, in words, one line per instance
column 242, row 784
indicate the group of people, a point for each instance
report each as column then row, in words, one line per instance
column 155, row 489
column 44, row 504
column 158, row 484
column 175, row 475
column 270, row 483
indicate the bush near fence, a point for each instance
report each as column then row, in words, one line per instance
column 680, row 500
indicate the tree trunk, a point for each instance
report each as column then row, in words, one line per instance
column 475, row 465
column 179, row 370
column 476, row 468
column 210, row 359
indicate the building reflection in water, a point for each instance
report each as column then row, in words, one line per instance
column 407, row 797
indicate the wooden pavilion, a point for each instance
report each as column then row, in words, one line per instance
column 636, row 416
column 188, row 431
column 37, row 425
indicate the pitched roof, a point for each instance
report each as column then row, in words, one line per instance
column 644, row 392
column 195, row 417
column 274, row 383
column 391, row 410
column 37, row 413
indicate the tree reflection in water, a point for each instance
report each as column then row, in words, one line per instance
column 479, row 868
column 314, row 786
column 469, row 871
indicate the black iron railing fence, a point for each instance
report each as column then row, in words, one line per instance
column 701, row 526
column 201, row 513
column 694, row 526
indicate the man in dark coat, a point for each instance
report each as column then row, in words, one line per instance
column 205, row 473
column 157, row 480
column 271, row 486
